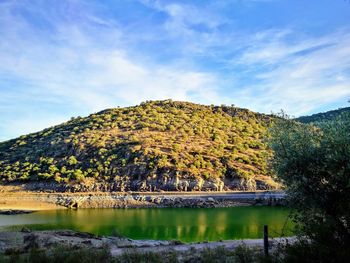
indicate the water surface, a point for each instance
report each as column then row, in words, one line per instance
column 185, row 224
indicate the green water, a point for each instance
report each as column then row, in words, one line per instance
column 185, row 224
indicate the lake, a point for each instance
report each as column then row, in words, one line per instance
column 185, row 224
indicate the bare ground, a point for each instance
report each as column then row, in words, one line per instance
column 25, row 240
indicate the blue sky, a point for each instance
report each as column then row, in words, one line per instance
column 60, row 59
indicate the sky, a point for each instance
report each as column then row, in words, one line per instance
column 68, row 58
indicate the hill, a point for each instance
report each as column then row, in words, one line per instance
column 324, row 116
column 157, row 145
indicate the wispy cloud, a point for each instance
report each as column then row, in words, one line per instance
column 298, row 75
column 78, row 70
column 66, row 58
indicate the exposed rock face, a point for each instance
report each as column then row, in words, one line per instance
column 147, row 200
column 54, row 200
column 152, row 185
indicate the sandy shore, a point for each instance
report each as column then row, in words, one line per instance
column 28, row 206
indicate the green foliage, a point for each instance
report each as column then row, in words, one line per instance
column 72, row 160
column 78, row 175
column 324, row 116
column 313, row 162
column 183, row 139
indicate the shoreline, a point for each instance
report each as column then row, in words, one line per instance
column 23, row 240
column 35, row 200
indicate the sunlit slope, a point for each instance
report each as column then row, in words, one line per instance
column 164, row 145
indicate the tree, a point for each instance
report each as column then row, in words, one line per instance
column 72, row 160
column 78, row 175
column 313, row 162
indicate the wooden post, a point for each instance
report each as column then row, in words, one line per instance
column 266, row 241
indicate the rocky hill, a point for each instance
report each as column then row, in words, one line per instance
column 157, row 145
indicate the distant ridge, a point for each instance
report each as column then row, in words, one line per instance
column 323, row 116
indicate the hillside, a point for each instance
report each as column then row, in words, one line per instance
column 157, row 145
column 324, row 116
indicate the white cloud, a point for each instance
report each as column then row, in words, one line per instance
column 87, row 62
column 298, row 76
column 195, row 28
column 97, row 79
column 79, row 70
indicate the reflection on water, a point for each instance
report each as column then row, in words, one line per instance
column 186, row 224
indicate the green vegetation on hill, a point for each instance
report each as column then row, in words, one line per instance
column 324, row 116
column 158, row 144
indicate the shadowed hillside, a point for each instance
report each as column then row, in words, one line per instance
column 157, row 145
